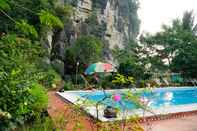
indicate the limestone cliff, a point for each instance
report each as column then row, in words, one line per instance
column 114, row 21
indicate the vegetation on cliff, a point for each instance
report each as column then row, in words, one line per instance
column 23, row 74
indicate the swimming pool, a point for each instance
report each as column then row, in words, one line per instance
column 159, row 100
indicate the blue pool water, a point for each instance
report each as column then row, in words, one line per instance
column 156, row 98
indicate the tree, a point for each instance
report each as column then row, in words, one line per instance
column 130, row 61
column 185, row 62
column 175, row 44
column 86, row 50
column 19, row 77
column 21, row 72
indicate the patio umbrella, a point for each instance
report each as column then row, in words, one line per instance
column 99, row 67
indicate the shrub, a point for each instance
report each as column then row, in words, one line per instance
column 50, row 79
column 79, row 79
column 48, row 19
column 105, row 81
column 44, row 124
column 39, row 98
column 20, row 98
column 18, row 80
column 86, row 50
column 68, row 86
column 122, row 80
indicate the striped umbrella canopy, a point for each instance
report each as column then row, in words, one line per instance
column 99, row 67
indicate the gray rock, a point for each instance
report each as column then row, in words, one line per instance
column 116, row 23
column 118, row 20
column 58, row 66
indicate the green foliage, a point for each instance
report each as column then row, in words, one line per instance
column 130, row 68
column 13, row 46
column 40, row 98
column 4, row 5
column 40, row 124
column 64, row 12
column 50, row 78
column 18, row 78
column 70, row 62
column 26, row 29
column 122, row 80
column 130, row 51
column 35, row 12
column 49, row 20
column 185, row 61
column 177, row 45
column 130, row 61
column 68, row 86
column 106, row 81
column 15, row 96
column 19, row 9
column 88, row 49
column 22, row 98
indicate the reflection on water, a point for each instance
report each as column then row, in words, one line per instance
column 168, row 96
column 154, row 99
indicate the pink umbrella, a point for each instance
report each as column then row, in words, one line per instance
column 99, row 67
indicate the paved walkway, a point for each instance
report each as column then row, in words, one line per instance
column 188, row 123
column 58, row 107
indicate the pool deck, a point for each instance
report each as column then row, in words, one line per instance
column 181, row 124
column 57, row 106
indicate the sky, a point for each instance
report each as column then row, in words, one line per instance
column 154, row 13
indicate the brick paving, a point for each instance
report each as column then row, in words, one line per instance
column 188, row 123
column 58, row 108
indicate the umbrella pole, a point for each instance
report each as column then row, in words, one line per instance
column 76, row 73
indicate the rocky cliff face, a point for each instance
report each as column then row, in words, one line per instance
column 114, row 21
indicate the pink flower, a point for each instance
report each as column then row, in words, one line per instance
column 117, row 97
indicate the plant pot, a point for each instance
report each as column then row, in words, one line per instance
column 110, row 112
column 61, row 90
